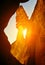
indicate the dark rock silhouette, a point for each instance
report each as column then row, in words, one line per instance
column 7, row 9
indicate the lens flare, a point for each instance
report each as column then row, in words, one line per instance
column 24, row 33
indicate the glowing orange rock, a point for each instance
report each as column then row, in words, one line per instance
column 20, row 48
column 35, row 40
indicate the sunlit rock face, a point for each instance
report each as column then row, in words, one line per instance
column 34, row 43
column 20, row 48
column 38, row 18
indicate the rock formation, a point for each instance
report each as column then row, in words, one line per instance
column 35, row 47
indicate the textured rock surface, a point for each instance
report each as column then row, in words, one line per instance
column 36, row 47
column 38, row 18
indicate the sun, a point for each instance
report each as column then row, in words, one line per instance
column 24, row 33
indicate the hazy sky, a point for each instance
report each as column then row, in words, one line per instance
column 11, row 30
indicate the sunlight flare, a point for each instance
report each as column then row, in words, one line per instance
column 24, row 33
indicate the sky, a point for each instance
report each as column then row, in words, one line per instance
column 11, row 31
